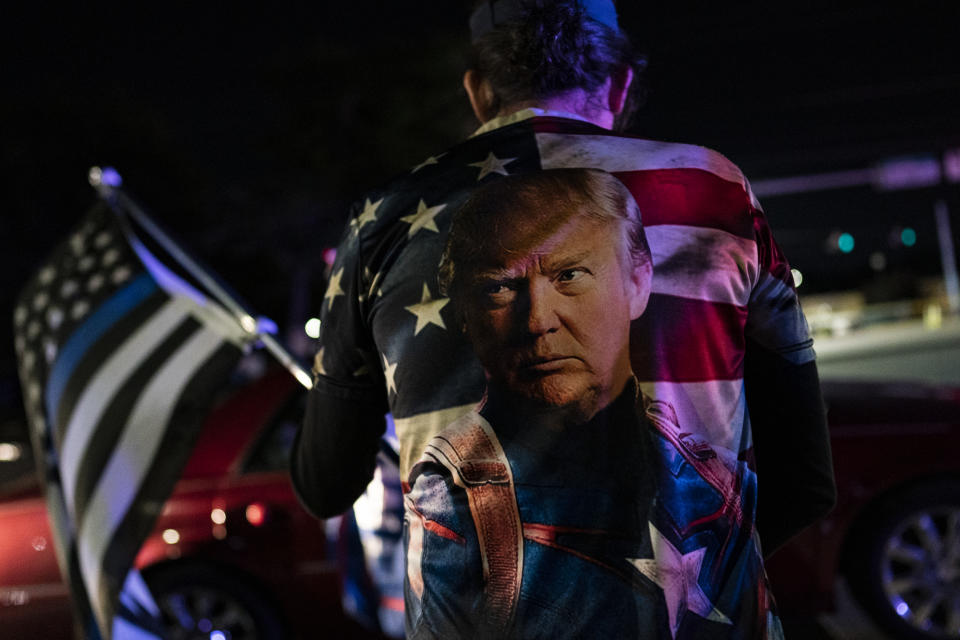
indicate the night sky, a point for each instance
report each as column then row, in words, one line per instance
column 247, row 132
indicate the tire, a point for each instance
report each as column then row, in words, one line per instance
column 905, row 563
column 198, row 601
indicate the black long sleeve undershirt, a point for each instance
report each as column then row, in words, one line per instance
column 791, row 443
column 335, row 451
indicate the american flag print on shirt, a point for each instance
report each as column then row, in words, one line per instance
column 387, row 333
column 719, row 277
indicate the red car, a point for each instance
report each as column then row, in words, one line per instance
column 895, row 532
column 233, row 551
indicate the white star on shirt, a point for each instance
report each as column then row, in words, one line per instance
column 333, row 288
column 676, row 573
column 427, row 162
column 423, row 218
column 427, row 311
column 318, row 363
column 369, row 213
column 390, row 372
column 492, row 164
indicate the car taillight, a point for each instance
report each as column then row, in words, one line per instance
column 256, row 513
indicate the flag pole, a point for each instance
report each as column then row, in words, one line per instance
column 107, row 183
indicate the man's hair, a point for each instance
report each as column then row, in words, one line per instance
column 550, row 48
column 538, row 197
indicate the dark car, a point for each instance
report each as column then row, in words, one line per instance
column 233, row 551
column 895, row 532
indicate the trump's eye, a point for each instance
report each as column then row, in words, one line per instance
column 496, row 288
column 571, row 275
column 497, row 292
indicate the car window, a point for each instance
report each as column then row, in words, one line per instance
column 17, row 469
column 272, row 450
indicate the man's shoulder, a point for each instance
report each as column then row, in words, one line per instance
column 619, row 152
column 446, row 176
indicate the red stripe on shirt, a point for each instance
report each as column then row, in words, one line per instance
column 692, row 197
column 769, row 254
column 442, row 531
column 687, row 340
column 435, row 527
column 546, row 535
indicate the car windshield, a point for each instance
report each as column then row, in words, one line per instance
column 17, row 470
column 272, row 450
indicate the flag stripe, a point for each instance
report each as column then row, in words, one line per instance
column 178, row 442
column 692, row 198
column 136, row 594
column 117, row 306
column 113, row 422
column 706, row 264
column 714, row 409
column 95, row 357
column 60, row 528
column 104, row 384
column 711, row 348
column 617, row 154
column 133, row 456
column 124, row 630
column 137, row 615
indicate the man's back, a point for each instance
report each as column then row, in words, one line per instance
column 717, row 276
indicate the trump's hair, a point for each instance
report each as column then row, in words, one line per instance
column 539, row 197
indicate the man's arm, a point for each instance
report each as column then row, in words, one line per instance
column 791, row 445
column 791, row 441
column 334, row 453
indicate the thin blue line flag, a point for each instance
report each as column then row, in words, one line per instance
column 119, row 354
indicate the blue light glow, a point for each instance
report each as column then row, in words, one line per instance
column 903, row 609
column 845, row 242
column 218, row 635
column 111, row 177
column 908, row 237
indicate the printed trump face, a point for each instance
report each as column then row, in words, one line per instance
column 548, row 309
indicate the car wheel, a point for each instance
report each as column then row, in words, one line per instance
column 202, row 603
column 905, row 569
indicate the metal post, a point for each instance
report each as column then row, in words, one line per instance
column 116, row 198
column 945, row 236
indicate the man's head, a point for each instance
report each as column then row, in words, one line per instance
column 547, row 271
column 568, row 55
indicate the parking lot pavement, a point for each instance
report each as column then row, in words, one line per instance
column 848, row 622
